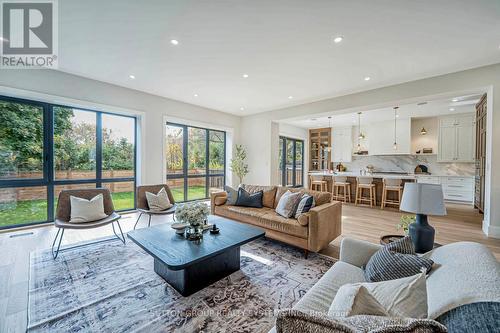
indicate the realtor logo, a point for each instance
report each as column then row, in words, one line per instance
column 29, row 34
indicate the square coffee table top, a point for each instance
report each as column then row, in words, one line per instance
column 176, row 252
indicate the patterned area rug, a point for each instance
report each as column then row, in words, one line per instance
column 111, row 287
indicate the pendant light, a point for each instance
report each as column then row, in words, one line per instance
column 329, row 148
column 423, row 131
column 360, row 134
column 395, row 146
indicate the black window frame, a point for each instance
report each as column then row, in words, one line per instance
column 48, row 180
column 185, row 174
column 282, row 168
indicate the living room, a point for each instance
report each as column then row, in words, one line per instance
column 211, row 109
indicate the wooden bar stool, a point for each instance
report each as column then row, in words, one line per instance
column 394, row 185
column 340, row 182
column 317, row 183
column 362, row 184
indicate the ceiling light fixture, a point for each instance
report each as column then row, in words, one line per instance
column 338, row 39
column 245, row 76
column 395, row 146
column 195, row 95
column 242, row 109
column 132, row 76
column 174, row 42
column 452, row 109
column 367, row 78
column 329, row 148
column 290, row 97
column 360, row 134
column 455, row 100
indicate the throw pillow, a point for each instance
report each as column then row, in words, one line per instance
column 472, row 317
column 246, row 199
column 232, row 195
column 268, row 196
column 406, row 297
column 288, row 204
column 395, row 260
column 83, row 210
column 291, row 321
column 158, row 202
column 305, row 204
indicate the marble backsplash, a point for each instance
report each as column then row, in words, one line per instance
column 407, row 163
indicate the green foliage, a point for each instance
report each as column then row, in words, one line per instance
column 238, row 163
column 405, row 222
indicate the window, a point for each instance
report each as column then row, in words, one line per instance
column 45, row 148
column 291, row 165
column 195, row 160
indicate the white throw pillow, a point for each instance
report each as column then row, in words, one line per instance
column 158, row 202
column 406, row 297
column 83, row 210
column 288, row 204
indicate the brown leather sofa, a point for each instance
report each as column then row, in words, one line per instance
column 312, row 231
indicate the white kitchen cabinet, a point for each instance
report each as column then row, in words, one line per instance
column 381, row 137
column 460, row 189
column 456, row 138
column 342, row 144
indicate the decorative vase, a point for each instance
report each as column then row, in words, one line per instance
column 195, row 231
column 422, row 234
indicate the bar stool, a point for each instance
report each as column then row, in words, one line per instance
column 394, row 185
column 318, row 181
column 340, row 182
column 362, row 184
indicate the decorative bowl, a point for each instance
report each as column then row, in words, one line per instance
column 180, row 227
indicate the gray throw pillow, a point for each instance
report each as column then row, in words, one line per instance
column 232, row 195
column 394, row 261
column 291, row 321
column 288, row 204
column 247, row 199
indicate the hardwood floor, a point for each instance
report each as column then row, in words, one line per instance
column 461, row 224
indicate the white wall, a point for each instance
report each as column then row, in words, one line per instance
column 485, row 78
column 53, row 86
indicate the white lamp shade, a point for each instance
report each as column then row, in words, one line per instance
column 423, row 199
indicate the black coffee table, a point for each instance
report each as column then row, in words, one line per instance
column 190, row 266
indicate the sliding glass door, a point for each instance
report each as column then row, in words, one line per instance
column 291, row 166
column 46, row 148
column 195, row 161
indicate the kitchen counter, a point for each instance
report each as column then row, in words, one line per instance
column 383, row 175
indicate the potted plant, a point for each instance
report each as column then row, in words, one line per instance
column 195, row 214
column 238, row 163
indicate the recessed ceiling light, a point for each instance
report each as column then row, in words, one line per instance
column 338, row 39
column 452, row 109
column 131, row 76
column 245, row 75
column 242, row 108
column 313, row 119
column 367, row 78
column 397, row 116
column 455, row 100
column 195, row 95
column 174, row 42
column 290, row 97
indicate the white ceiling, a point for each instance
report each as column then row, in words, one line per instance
column 433, row 108
column 285, row 46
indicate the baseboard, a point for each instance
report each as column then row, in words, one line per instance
column 490, row 230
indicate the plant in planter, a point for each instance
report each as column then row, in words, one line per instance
column 238, row 163
column 405, row 222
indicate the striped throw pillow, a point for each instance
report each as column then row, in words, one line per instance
column 396, row 260
column 305, row 204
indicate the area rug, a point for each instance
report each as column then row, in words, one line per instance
column 111, row 287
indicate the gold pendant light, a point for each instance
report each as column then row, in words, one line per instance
column 395, row 146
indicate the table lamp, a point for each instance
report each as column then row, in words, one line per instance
column 423, row 200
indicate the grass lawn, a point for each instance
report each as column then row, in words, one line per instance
column 36, row 210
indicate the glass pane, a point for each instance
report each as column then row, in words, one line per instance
column 289, row 162
column 197, row 152
column 21, row 140
column 74, row 143
column 118, row 142
column 216, row 145
column 196, row 188
column 174, row 153
column 122, row 194
column 299, row 145
column 59, row 188
column 21, row 205
column 177, row 188
column 215, row 184
column 280, row 162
